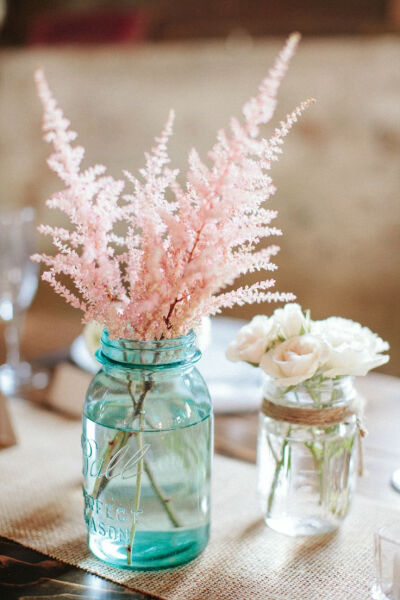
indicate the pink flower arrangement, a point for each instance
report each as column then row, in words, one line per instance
column 180, row 245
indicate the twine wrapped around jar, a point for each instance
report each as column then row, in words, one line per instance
column 320, row 417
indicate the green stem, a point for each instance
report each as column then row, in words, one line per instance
column 119, row 441
column 318, row 465
column 156, row 488
column 314, row 397
column 272, row 449
column 165, row 501
column 136, row 503
column 278, row 467
column 143, row 463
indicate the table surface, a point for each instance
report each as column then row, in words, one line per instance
column 25, row 573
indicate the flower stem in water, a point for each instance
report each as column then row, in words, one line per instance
column 136, row 503
column 160, row 495
column 143, row 463
column 278, row 467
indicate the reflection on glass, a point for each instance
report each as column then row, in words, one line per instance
column 387, row 563
column 18, row 284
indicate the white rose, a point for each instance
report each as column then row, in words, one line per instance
column 353, row 349
column 294, row 360
column 252, row 340
column 290, row 320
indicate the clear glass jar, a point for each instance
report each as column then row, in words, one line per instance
column 306, row 473
column 147, row 449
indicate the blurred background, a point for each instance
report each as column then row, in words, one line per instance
column 117, row 67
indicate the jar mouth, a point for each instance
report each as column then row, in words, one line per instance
column 153, row 354
column 132, row 344
column 311, row 393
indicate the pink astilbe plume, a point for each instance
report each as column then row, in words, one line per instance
column 168, row 268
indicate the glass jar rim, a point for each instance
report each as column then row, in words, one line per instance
column 134, row 344
column 314, row 383
column 327, row 392
column 149, row 354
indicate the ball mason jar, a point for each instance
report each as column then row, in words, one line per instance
column 307, row 445
column 147, row 448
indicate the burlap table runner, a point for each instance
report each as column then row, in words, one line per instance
column 41, row 507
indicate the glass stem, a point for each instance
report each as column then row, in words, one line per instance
column 12, row 338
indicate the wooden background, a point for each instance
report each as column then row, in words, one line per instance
column 338, row 180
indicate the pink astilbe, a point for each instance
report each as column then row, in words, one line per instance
column 176, row 254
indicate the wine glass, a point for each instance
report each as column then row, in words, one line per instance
column 18, row 285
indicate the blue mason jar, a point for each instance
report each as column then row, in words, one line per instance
column 147, row 449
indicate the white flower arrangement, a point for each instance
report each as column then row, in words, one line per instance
column 291, row 348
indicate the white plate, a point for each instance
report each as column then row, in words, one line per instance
column 234, row 387
column 82, row 357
